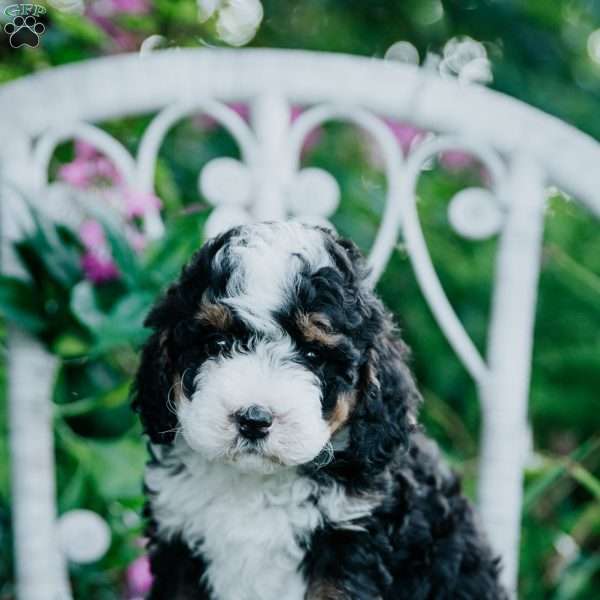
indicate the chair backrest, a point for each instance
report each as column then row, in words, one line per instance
column 523, row 150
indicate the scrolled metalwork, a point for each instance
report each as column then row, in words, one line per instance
column 417, row 247
column 393, row 163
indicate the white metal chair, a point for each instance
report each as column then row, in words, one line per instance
column 524, row 152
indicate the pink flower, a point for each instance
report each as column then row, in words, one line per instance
column 108, row 8
column 79, row 173
column 88, row 168
column 139, row 577
column 85, row 150
column 96, row 262
column 456, row 160
column 314, row 135
column 106, row 170
column 92, row 235
column 405, row 134
column 207, row 123
column 100, row 15
column 241, row 109
column 98, row 268
column 139, row 204
column 136, row 239
column 133, row 7
column 123, row 40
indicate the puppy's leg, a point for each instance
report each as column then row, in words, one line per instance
column 343, row 564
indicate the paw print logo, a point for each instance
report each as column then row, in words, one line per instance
column 24, row 31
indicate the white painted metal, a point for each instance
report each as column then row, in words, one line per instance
column 417, row 247
column 504, row 392
column 387, row 236
column 474, row 213
column 105, row 143
column 522, row 149
column 39, row 567
column 270, row 115
column 138, row 85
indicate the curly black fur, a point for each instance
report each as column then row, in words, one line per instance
column 421, row 541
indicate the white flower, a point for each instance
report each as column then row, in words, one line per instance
column 238, row 21
column 466, row 59
column 479, row 70
column 68, row 6
column 206, row 9
column 403, row 52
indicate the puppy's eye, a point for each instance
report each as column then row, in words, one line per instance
column 313, row 356
column 217, row 344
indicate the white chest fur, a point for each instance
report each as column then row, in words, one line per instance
column 248, row 527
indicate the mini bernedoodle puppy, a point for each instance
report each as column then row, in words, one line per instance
column 286, row 463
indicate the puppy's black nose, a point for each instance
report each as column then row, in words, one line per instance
column 254, row 422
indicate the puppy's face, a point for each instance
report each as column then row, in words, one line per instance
column 259, row 348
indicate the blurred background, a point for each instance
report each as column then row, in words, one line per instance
column 89, row 287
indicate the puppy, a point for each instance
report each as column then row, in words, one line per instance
column 285, row 459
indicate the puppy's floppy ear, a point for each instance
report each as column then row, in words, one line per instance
column 154, row 382
column 172, row 320
column 388, row 401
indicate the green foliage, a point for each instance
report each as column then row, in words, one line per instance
column 96, row 329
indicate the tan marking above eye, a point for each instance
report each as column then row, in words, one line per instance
column 316, row 327
column 343, row 408
column 215, row 315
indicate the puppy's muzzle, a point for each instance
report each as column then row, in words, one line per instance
column 254, row 422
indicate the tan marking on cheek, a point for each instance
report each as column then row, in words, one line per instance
column 344, row 406
column 215, row 315
column 316, row 327
column 176, row 392
column 324, row 590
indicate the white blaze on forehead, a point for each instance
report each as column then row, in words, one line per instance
column 266, row 260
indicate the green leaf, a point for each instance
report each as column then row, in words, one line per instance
column 574, row 582
column 125, row 323
column 166, row 257
column 117, row 467
column 122, row 253
column 70, row 346
column 83, row 29
column 557, row 469
column 118, row 396
column 72, row 494
column 586, row 479
column 55, row 247
column 18, row 304
column 85, row 308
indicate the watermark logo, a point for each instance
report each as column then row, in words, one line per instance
column 24, row 29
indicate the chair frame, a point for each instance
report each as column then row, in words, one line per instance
column 523, row 149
